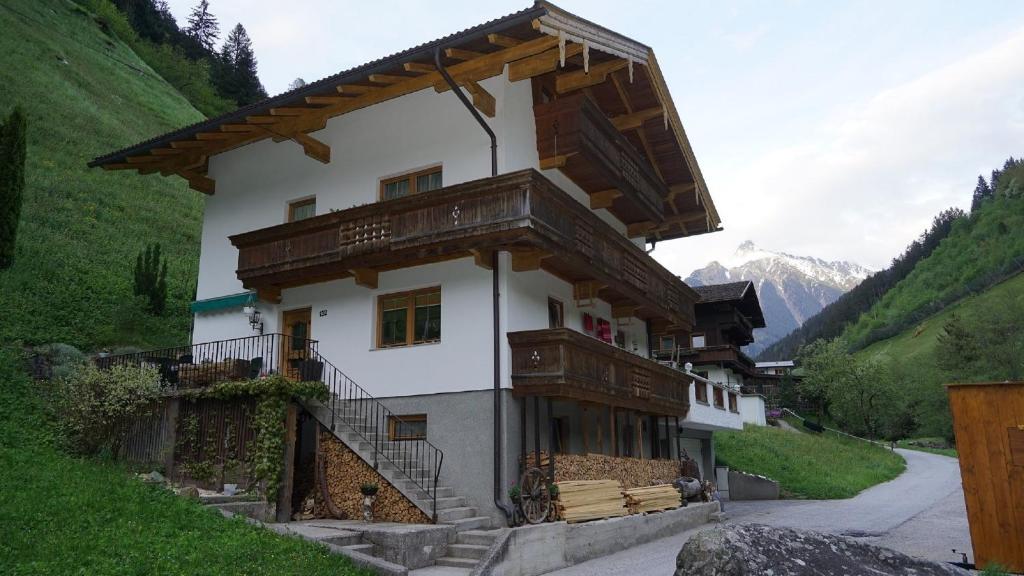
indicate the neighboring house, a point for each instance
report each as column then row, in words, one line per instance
column 775, row 368
column 497, row 299
column 725, row 318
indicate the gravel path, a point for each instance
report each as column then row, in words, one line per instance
column 920, row 513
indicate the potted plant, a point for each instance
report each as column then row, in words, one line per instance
column 369, row 492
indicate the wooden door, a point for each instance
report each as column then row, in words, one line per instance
column 295, row 346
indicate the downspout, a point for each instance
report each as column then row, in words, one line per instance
column 495, row 294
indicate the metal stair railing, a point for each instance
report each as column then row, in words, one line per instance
column 208, row 363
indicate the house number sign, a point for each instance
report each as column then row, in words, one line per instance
column 323, row 313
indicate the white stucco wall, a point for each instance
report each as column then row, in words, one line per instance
column 752, row 409
column 706, row 416
column 255, row 183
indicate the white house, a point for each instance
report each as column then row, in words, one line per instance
column 494, row 295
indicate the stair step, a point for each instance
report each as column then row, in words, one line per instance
column 364, row 548
column 445, row 503
column 457, row 562
column 345, row 541
column 473, row 551
column 452, row 514
column 478, row 537
column 475, row 523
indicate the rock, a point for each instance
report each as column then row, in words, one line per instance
column 749, row 549
column 153, row 477
column 189, row 492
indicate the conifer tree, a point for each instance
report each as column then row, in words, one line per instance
column 982, row 192
column 12, row 182
column 202, row 26
column 151, row 278
column 237, row 78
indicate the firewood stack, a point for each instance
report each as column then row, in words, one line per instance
column 653, row 499
column 582, row 500
column 632, row 472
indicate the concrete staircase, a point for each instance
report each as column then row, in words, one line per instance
column 469, row 548
column 363, row 438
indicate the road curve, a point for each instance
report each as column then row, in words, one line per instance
column 920, row 513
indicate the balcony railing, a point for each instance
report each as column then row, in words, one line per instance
column 519, row 212
column 575, row 136
column 725, row 353
column 563, row 363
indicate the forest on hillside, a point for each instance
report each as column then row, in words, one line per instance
column 214, row 80
column 964, row 269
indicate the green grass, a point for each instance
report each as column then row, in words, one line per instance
column 908, row 444
column 818, row 466
column 85, row 94
column 63, row 515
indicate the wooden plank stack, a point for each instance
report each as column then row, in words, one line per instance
column 582, row 500
column 652, row 499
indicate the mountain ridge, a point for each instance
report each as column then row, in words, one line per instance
column 791, row 288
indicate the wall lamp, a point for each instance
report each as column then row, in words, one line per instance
column 255, row 321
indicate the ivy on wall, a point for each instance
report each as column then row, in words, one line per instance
column 272, row 395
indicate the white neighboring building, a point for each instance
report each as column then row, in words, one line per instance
column 473, row 297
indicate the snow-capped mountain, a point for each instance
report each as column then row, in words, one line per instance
column 791, row 288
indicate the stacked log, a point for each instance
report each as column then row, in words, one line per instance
column 344, row 473
column 631, row 472
column 653, row 499
column 579, row 501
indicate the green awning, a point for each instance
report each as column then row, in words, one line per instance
column 223, row 302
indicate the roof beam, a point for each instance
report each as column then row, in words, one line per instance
column 387, row 78
column 356, row 89
column 325, row 99
column 503, row 41
column 313, row 148
column 635, row 120
column 460, row 54
column 541, row 63
column 288, row 111
column 199, row 182
column 419, row 67
column 482, row 99
column 579, row 79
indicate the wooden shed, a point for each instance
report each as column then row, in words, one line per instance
column 988, row 420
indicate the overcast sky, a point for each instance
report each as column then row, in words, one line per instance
column 827, row 129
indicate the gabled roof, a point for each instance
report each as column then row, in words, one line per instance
column 542, row 39
column 742, row 294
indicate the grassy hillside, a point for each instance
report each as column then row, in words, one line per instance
column 986, row 246
column 85, row 93
column 819, row 466
column 63, row 515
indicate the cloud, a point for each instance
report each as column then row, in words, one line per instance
column 871, row 176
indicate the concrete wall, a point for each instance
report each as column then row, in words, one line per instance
column 752, row 409
column 749, row 487
column 533, row 550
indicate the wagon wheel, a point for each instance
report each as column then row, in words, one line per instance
column 534, row 496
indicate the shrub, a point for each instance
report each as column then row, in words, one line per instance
column 92, row 405
column 63, row 359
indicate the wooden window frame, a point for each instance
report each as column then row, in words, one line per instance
column 561, row 312
column 411, row 177
column 407, row 418
column 659, row 337
column 410, row 319
column 298, row 204
column 700, row 392
column 698, row 335
column 719, row 395
column 734, row 403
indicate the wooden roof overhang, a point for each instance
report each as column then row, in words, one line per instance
column 723, row 354
column 542, row 42
column 565, row 364
column 523, row 213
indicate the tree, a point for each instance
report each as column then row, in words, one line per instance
column 236, row 71
column 151, row 278
column 202, row 26
column 982, row 192
column 12, row 182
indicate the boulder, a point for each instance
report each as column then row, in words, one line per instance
column 749, row 549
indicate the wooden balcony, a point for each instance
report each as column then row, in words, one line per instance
column 726, row 354
column 563, row 363
column 576, row 137
column 520, row 212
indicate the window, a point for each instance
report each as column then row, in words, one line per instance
column 666, row 343
column 407, row 427
column 301, row 209
column 556, row 313
column 719, row 398
column 733, row 403
column 700, row 390
column 409, row 318
column 697, row 341
column 423, row 181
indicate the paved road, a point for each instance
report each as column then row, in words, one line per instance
column 920, row 513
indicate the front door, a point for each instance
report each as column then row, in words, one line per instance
column 295, row 345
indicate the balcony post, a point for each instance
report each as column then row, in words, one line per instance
column 551, row 440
